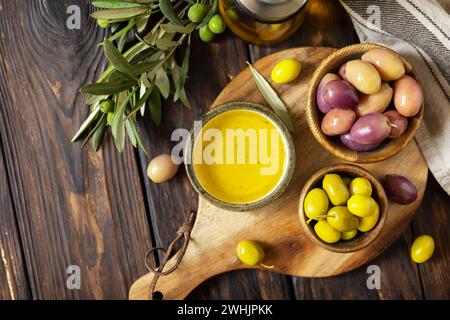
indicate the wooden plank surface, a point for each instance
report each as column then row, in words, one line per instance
column 73, row 207
column 13, row 277
column 77, row 207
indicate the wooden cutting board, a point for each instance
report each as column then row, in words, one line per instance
column 212, row 248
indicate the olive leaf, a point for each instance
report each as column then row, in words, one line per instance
column 106, row 88
column 162, row 82
column 142, row 24
column 91, row 133
column 118, row 61
column 168, row 11
column 123, row 13
column 114, row 4
column 155, row 106
column 140, row 103
column 184, row 71
column 165, row 44
column 176, row 71
column 172, row 28
column 99, row 133
column 141, row 1
column 88, row 122
column 138, row 137
column 130, row 133
column 271, row 97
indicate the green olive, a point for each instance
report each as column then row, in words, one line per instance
column 107, row 106
column 197, row 12
column 368, row 223
column 216, row 24
column 335, row 188
column 325, row 232
column 361, row 206
column 422, row 248
column 250, row 252
column 361, row 186
column 205, row 34
column 341, row 219
column 348, row 235
column 316, row 204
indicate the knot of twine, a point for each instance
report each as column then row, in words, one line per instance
column 183, row 232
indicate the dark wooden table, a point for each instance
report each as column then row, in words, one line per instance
column 61, row 205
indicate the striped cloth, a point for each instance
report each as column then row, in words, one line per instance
column 420, row 31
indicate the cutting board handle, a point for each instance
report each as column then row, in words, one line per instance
column 193, row 269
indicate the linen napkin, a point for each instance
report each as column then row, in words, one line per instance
column 419, row 30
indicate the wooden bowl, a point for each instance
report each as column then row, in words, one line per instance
column 361, row 240
column 314, row 117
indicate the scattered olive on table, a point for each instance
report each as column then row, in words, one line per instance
column 162, row 168
column 378, row 97
column 399, row 189
column 251, row 253
column 341, row 208
column 422, row 248
column 287, row 70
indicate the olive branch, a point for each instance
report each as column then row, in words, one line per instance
column 140, row 77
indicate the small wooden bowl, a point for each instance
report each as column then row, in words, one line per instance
column 314, row 117
column 362, row 240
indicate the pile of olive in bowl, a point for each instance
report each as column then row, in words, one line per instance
column 343, row 208
column 364, row 103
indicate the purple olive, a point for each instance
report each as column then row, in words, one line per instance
column 398, row 122
column 349, row 143
column 371, row 128
column 399, row 189
column 321, row 103
column 340, row 94
column 342, row 72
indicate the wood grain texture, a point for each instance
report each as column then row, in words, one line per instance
column 216, row 231
column 211, row 68
column 74, row 207
column 13, row 277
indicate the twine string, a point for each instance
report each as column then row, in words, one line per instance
column 184, row 232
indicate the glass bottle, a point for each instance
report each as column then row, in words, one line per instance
column 263, row 21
